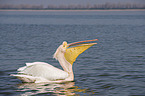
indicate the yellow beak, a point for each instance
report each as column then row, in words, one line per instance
column 75, row 49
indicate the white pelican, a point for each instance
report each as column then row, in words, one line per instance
column 66, row 54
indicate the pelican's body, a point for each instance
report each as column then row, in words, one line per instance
column 66, row 54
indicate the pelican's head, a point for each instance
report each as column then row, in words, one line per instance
column 62, row 48
column 73, row 50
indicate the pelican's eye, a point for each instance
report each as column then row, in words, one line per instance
column 64, row 44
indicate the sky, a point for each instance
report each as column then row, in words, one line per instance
column 64, row 2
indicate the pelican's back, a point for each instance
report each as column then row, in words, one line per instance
column 41, row 70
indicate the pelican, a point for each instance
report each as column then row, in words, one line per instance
column 66, row 54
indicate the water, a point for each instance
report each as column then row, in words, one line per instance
column 113, row 67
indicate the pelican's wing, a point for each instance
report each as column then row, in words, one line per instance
column 44, row 70
column 72, row 53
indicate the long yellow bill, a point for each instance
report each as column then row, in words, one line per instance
column 75, row 49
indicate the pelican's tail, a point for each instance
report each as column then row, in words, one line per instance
column 27, row 78
column 24, row 78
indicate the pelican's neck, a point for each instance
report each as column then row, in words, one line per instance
column 64, row 63
column 67, row 67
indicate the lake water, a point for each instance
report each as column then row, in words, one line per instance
column 113, row 67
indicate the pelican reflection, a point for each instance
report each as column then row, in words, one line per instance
column 58, row 89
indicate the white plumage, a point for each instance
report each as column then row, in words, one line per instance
column 66, row 54
column 40, row 71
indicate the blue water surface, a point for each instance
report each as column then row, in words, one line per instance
column 113, row 67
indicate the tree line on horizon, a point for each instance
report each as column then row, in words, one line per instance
column 76, row 6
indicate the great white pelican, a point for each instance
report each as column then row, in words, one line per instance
column 66, row 54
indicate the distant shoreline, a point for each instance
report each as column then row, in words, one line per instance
column 75, row 10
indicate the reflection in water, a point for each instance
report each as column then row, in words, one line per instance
column 60, row 89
